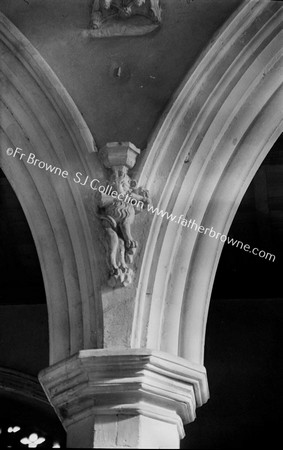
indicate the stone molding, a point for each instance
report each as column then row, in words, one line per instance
column 49, row 83
column 21, row 384
column 219, row 127
column 226, row 111
column 40, row 117
column 127, row 382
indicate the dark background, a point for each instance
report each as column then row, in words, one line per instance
column 243, row 351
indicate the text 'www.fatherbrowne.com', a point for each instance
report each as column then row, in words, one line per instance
column 96, row 185
column 192, row 225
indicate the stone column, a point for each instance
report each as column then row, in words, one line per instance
column 135, row 398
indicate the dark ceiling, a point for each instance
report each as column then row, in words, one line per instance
column 151, row 67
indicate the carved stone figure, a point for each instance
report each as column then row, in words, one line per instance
column 111, row 17
column 117, row 213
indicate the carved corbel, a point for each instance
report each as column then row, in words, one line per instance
column 124, row 17
column 118, row 204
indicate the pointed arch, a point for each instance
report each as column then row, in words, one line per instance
column 39, row 116
column 219, row 127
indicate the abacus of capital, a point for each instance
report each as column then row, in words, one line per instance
column 134, row 398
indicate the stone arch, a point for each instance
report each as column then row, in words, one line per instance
column 219, row 127
column 21, row 384
column 38, row 116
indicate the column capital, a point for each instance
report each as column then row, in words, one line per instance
column 126, row 382
column 119, row 154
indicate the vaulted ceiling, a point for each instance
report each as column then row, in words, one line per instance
column 124, row 107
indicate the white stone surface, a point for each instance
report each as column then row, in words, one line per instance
column 130, row 398
column 40, row 118
column 221, row 124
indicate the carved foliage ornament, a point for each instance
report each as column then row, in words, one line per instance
column 117, row 210
column 124, row 17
